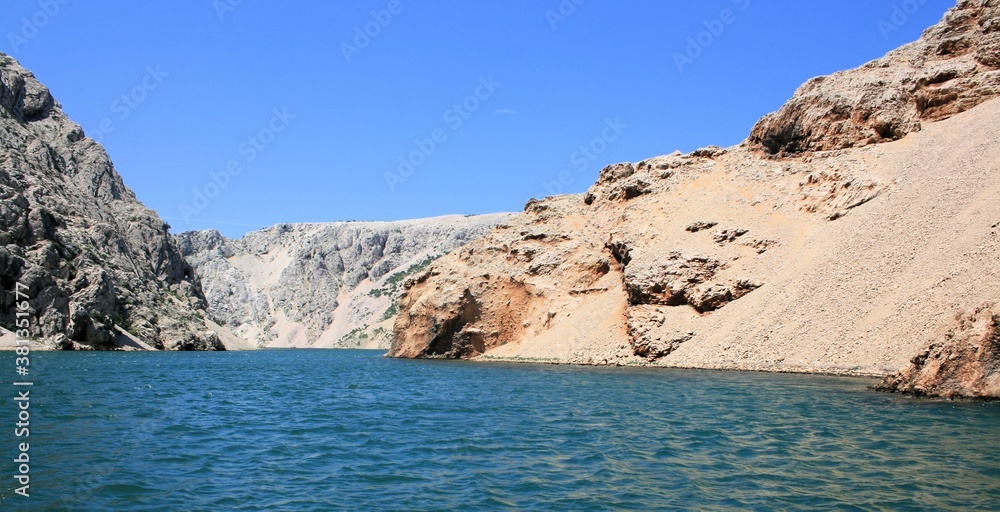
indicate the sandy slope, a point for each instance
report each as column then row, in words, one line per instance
column 860, row 294
column 855, row 227
column 868, row 291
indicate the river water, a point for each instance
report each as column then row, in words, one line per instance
column 310, row 430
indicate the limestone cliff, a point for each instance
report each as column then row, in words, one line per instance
column 843, row 236
column 100, row 269
column 321, row 285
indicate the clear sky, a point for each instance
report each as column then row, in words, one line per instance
column 239, row 114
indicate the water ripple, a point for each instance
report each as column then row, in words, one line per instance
column 321, row 430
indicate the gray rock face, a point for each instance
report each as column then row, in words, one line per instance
column 95, row 261
column 320, row 285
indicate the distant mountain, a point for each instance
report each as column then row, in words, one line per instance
column 100, row 269
column 321, row 285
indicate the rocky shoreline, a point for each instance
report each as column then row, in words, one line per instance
column 721, row 368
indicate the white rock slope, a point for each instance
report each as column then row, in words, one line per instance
column 330, row 285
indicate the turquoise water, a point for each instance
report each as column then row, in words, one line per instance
column 324, row 430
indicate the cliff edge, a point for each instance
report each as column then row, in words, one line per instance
column 843, row 236
column 100, row 270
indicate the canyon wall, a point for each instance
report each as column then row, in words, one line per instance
column 852, row 230
column 100, row 270
column 321, row 285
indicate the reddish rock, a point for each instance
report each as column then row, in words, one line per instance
column 952, row 68
column 965, row 363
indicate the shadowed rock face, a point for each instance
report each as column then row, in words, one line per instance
column 774, row 255
column 964, row 363
column 94, row 259
column 952, row 68
column 321, row 285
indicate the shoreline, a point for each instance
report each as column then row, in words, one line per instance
column 796, row 370
column 486, row 359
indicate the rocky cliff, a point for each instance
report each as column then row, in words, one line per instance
column 321, row 285
column 845, row 235
column 100, row 269
column 951, row 69
column 964, row 362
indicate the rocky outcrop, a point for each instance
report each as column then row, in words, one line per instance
column 952, row 68
column 613, row 276
column 321, row 285
column 94, row 260
column 965, row 362
column 772, row 255
column 677, row 280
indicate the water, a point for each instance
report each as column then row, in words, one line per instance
column 321, row 430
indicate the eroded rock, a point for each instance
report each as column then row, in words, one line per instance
column 630, row 284
column 356, row 270
column 965, row 363
column 952, row 68
column 92, row 257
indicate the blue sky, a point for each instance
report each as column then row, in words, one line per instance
column 239, row 114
